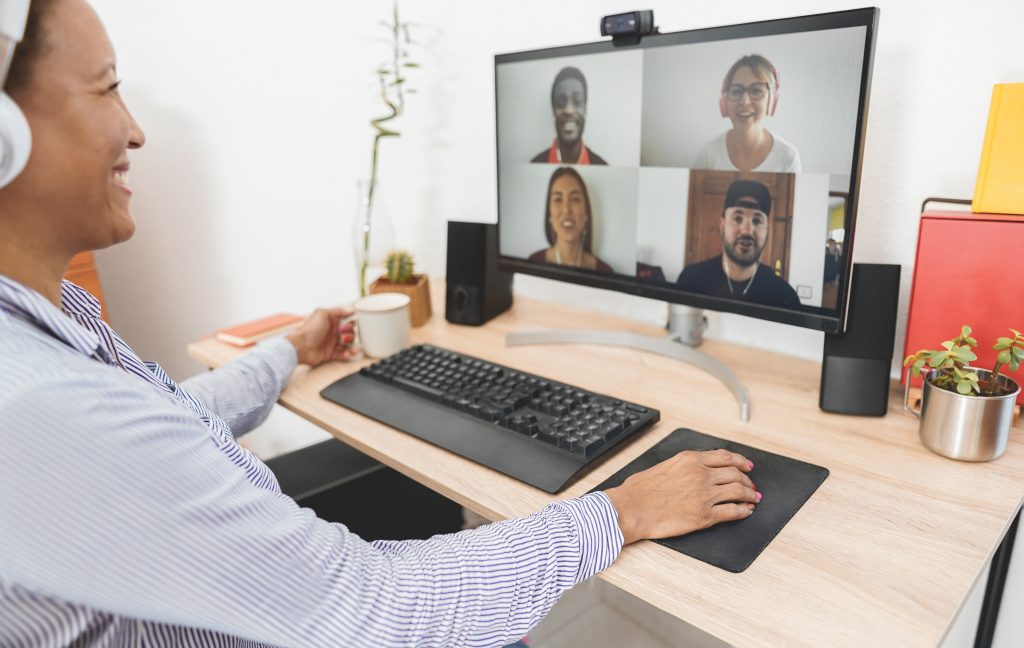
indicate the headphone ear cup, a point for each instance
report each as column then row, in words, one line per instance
column 15, row 140
column 723, row 105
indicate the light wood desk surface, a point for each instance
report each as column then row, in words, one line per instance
column 884, row 553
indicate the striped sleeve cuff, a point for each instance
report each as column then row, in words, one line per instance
column 280, row 357
column 597, row 528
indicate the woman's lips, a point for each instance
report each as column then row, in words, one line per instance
column 120, row 179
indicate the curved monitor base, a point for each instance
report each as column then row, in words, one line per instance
column 668, row 346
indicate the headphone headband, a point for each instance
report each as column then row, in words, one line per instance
column 15, row 136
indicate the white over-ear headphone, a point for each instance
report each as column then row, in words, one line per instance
column 15, row 136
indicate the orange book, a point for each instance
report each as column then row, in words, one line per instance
column 1000, row 186
column 249, row 333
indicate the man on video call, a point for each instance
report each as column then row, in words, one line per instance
column 569, row 105
column 738, row 273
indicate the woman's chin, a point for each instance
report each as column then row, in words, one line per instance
column 123, row 229
column 742, row 124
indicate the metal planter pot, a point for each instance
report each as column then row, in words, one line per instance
column 967, row 428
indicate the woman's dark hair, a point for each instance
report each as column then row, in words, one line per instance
column 31, row 46
column 550, row 231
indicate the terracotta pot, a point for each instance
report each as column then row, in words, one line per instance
column 418, row 292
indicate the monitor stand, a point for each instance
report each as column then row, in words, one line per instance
column 685, row 332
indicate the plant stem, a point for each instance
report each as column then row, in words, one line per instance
column 991, row 391
column 395, row 108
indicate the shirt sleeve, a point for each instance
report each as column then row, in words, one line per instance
column 138, row 514
column 243, row 392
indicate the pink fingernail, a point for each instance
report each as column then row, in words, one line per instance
column 751, row 464
column 758, row 495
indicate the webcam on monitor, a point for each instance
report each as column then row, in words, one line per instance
column 628, row 27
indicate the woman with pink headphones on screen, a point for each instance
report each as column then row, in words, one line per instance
column 749, row 92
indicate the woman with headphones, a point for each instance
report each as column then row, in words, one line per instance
column 750, row 91
column 130, row 516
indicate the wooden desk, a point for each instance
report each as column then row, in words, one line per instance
column 884, row 553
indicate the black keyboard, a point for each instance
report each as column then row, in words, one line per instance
column 537, row 430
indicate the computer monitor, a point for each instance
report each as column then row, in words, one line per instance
column 716, row 168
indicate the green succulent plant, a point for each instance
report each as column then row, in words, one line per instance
column 400, row 267
column 952, row 363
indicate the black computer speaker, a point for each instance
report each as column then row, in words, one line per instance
column 855, row 366
column 476, row 289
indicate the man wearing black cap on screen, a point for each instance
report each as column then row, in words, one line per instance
column 738, row 273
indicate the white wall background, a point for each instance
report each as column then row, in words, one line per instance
column 614, row 88
column 819, row 76
column 257, row 122
column 661, row 218
column 810, row 231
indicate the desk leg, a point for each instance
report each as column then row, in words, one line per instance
column 994, row 589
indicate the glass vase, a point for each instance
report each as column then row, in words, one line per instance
column 373, row 234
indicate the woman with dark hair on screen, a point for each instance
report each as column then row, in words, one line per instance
column 750, row 91
column 568, row 224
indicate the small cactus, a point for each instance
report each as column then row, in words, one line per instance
column 400, row 267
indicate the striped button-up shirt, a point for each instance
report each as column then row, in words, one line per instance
column 129, row 516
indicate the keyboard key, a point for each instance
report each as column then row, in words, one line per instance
column 551, row 437
column 568, row 442
column 418, row 388
column 589, row 445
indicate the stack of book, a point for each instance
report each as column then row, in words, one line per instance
column 249, row 333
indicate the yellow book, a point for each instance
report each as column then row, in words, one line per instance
column 1000, row 186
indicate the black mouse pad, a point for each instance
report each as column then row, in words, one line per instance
column 784, row 483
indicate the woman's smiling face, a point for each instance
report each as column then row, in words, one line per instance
column 567, row 210
column 746, row 111
column 82, row 131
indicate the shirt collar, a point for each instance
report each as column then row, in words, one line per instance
column 28, row 305
column 555, row 154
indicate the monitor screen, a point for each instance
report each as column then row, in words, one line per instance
column 716, row 167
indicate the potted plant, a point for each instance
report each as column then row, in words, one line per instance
column 965, row 411
column 393, row 89
column 400, row 277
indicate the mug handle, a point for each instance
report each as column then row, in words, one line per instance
column 907, row 407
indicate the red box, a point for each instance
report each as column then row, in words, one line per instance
column 969, row 270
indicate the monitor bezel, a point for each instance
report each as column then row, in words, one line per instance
column 830, row 323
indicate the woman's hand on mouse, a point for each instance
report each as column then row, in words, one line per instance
column 324, row 336
column 690, row 491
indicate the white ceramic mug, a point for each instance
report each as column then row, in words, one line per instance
column 383, row 323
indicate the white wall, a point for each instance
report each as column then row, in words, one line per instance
column 661, row 218
column 810, row 230
column 257, row 118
